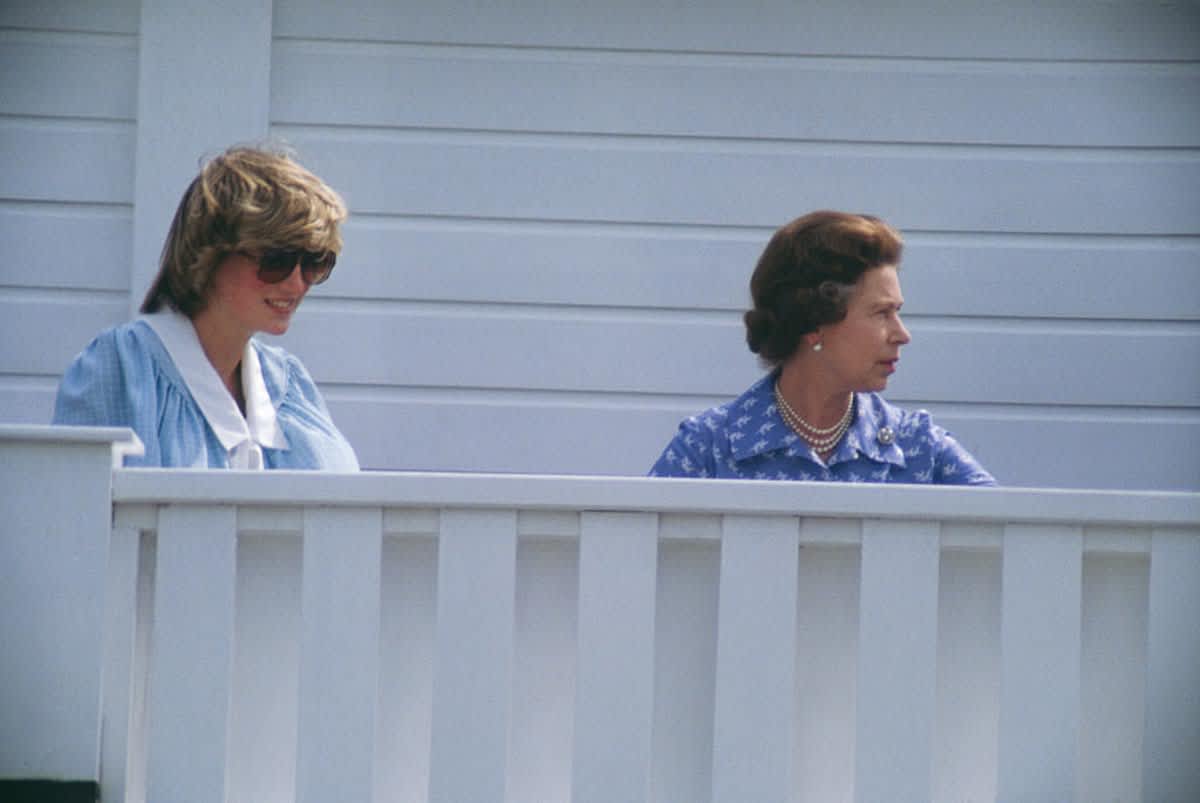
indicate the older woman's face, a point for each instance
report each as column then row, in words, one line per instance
column 861, row 350
column 246, row 304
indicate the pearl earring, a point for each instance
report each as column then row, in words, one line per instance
column 817, row 346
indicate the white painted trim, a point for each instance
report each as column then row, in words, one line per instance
column 508, row 491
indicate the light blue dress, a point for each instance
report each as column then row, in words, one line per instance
column 748, row 439
column 127, row 377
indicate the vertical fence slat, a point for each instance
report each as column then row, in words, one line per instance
column 339, row 655
column 756, row 660
column 897, row 661
column 1040, row 632
column 192, row 654
column 120, row 621
column 615, row 664
column 1171, row 763
column 473, row 664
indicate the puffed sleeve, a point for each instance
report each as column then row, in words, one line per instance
column 111, row 384
column 314, row 440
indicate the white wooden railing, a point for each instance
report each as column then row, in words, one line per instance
column 211, row 636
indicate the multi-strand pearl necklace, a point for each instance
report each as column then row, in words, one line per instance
column 821, row 440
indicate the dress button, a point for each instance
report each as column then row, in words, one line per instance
column 886, row 437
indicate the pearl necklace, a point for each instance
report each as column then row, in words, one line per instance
column 821, row 440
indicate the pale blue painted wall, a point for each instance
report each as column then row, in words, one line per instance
column 556, row 210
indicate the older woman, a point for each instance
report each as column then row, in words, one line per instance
column 252, row 233
column 826, row 320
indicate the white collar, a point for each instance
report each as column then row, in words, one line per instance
column 241, row 436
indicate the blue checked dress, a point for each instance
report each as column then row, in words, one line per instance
column 127, row 377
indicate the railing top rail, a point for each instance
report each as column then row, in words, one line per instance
column 47, row 433
column 549, row 492
column 123, row 440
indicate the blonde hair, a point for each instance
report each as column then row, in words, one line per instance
column 249, row 199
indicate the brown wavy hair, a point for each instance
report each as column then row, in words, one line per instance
column 806, row 274
column 250, row 199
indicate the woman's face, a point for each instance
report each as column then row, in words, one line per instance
column 861, row 351
column 245, row 304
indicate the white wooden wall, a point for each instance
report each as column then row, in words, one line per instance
column 556, row 208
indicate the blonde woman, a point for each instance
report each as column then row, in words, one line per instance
column 252, row 233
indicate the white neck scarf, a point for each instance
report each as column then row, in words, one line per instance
column 242, row 437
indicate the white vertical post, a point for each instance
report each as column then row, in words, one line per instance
column 1171, row 764
column 473, row 666
column 191, row 664
column 120, row 623
column 339, row 655
column 192, row 105
column 1040, row 632
column 754, row 736
column 614, row 705
column 55, row 520
column 897, row 661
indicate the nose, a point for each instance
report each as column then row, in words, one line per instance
column 901, row 335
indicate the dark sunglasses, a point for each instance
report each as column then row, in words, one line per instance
column 276, row 264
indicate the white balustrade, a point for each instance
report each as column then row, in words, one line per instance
column 614, row 676
column 412, row 637
column 192, row 643
column 339, row 656
column 897, row 660
column 1040, row 670
column 756, row 660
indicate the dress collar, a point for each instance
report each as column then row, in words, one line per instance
column 874, row 434
column 259, row 427
column 761, row 429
